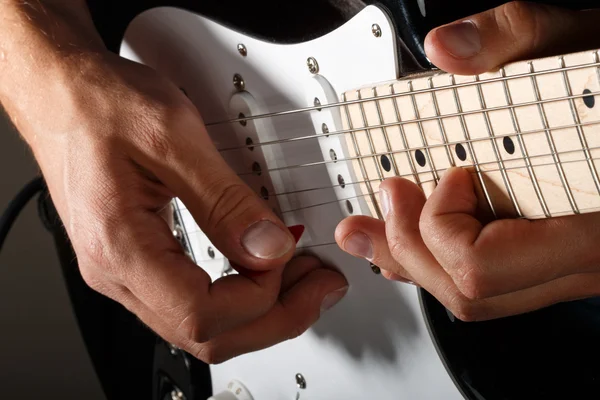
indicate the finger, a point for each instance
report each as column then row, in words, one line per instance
column 157, row 272
column 506, row 255
column 296, row 311
column 237, row 221
column 569, row 288
column 364, row 237
column 510, row 32
column 402, row 202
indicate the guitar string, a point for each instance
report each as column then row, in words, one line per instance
column 416, row 121
column 393, row 153
column 438, row 118
column 428, row 171
column 403, row 94
column 338, row 201
column 439, row 170
column 583, row 210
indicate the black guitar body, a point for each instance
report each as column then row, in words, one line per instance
column 549, row 354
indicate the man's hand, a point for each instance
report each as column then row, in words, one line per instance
column 506, row 267
column 116, row 143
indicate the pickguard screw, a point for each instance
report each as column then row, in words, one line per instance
column 376, row 270
column 177, row 233
column 376, row 30
column 238, row 82
column 300, row 381
column 312, row 65
column 242, row 50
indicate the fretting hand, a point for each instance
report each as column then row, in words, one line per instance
column 484, row 271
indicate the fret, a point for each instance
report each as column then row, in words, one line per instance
column 434, row 173
column 477, row 122
column 440, row 122
column 577, row 120
column 524, row 152
column 550, row 139
column 499, row 159
column 404, row 139
column 385, row 133
column 463, row 123
column 360, row 159
column 369, row 137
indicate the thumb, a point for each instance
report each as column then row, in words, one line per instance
column 513, row 31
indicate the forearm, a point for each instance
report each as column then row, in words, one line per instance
column 41, row 44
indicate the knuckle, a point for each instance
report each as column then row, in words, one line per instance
column 398, row 249
column 472, row 281
column 297, row 330
column 208, row 354
column 521, row 20
column 465, row 310
column 194, row 328
column 91, row 277
column 233, row 201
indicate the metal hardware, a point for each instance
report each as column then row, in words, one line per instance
column 242, row 49
column 178, row 233
column 227, row 270
column 300, row 381
column 312, row 65
column 376, row 29
column 249, row 144
column 243, row 122
column 174, row 349
column 177, row 394
column 238, row 82
column 376, row 270
column 211, row 252
column 317, row 103
column 325, row 128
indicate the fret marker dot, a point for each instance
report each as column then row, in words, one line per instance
column 509, row 145
column 461, row 153
column 589, row 101
column 385, row 163
column 420, row 158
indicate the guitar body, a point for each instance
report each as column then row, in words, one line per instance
column 375, row 343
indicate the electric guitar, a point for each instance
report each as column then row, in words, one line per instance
column 314, row 127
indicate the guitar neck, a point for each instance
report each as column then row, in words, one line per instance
column 528, row 133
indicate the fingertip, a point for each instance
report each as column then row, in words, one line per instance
column 455, row 48
column 268, row 242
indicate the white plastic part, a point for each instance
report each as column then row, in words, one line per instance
column 235, row 391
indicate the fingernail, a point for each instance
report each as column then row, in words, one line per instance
column 359, row 245
column 266, row 240
column 460, row 39
column 384, row 197
column 333, row 298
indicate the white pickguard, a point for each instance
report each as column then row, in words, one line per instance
column 374, row 344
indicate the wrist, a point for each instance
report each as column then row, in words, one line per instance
column 44, row 46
